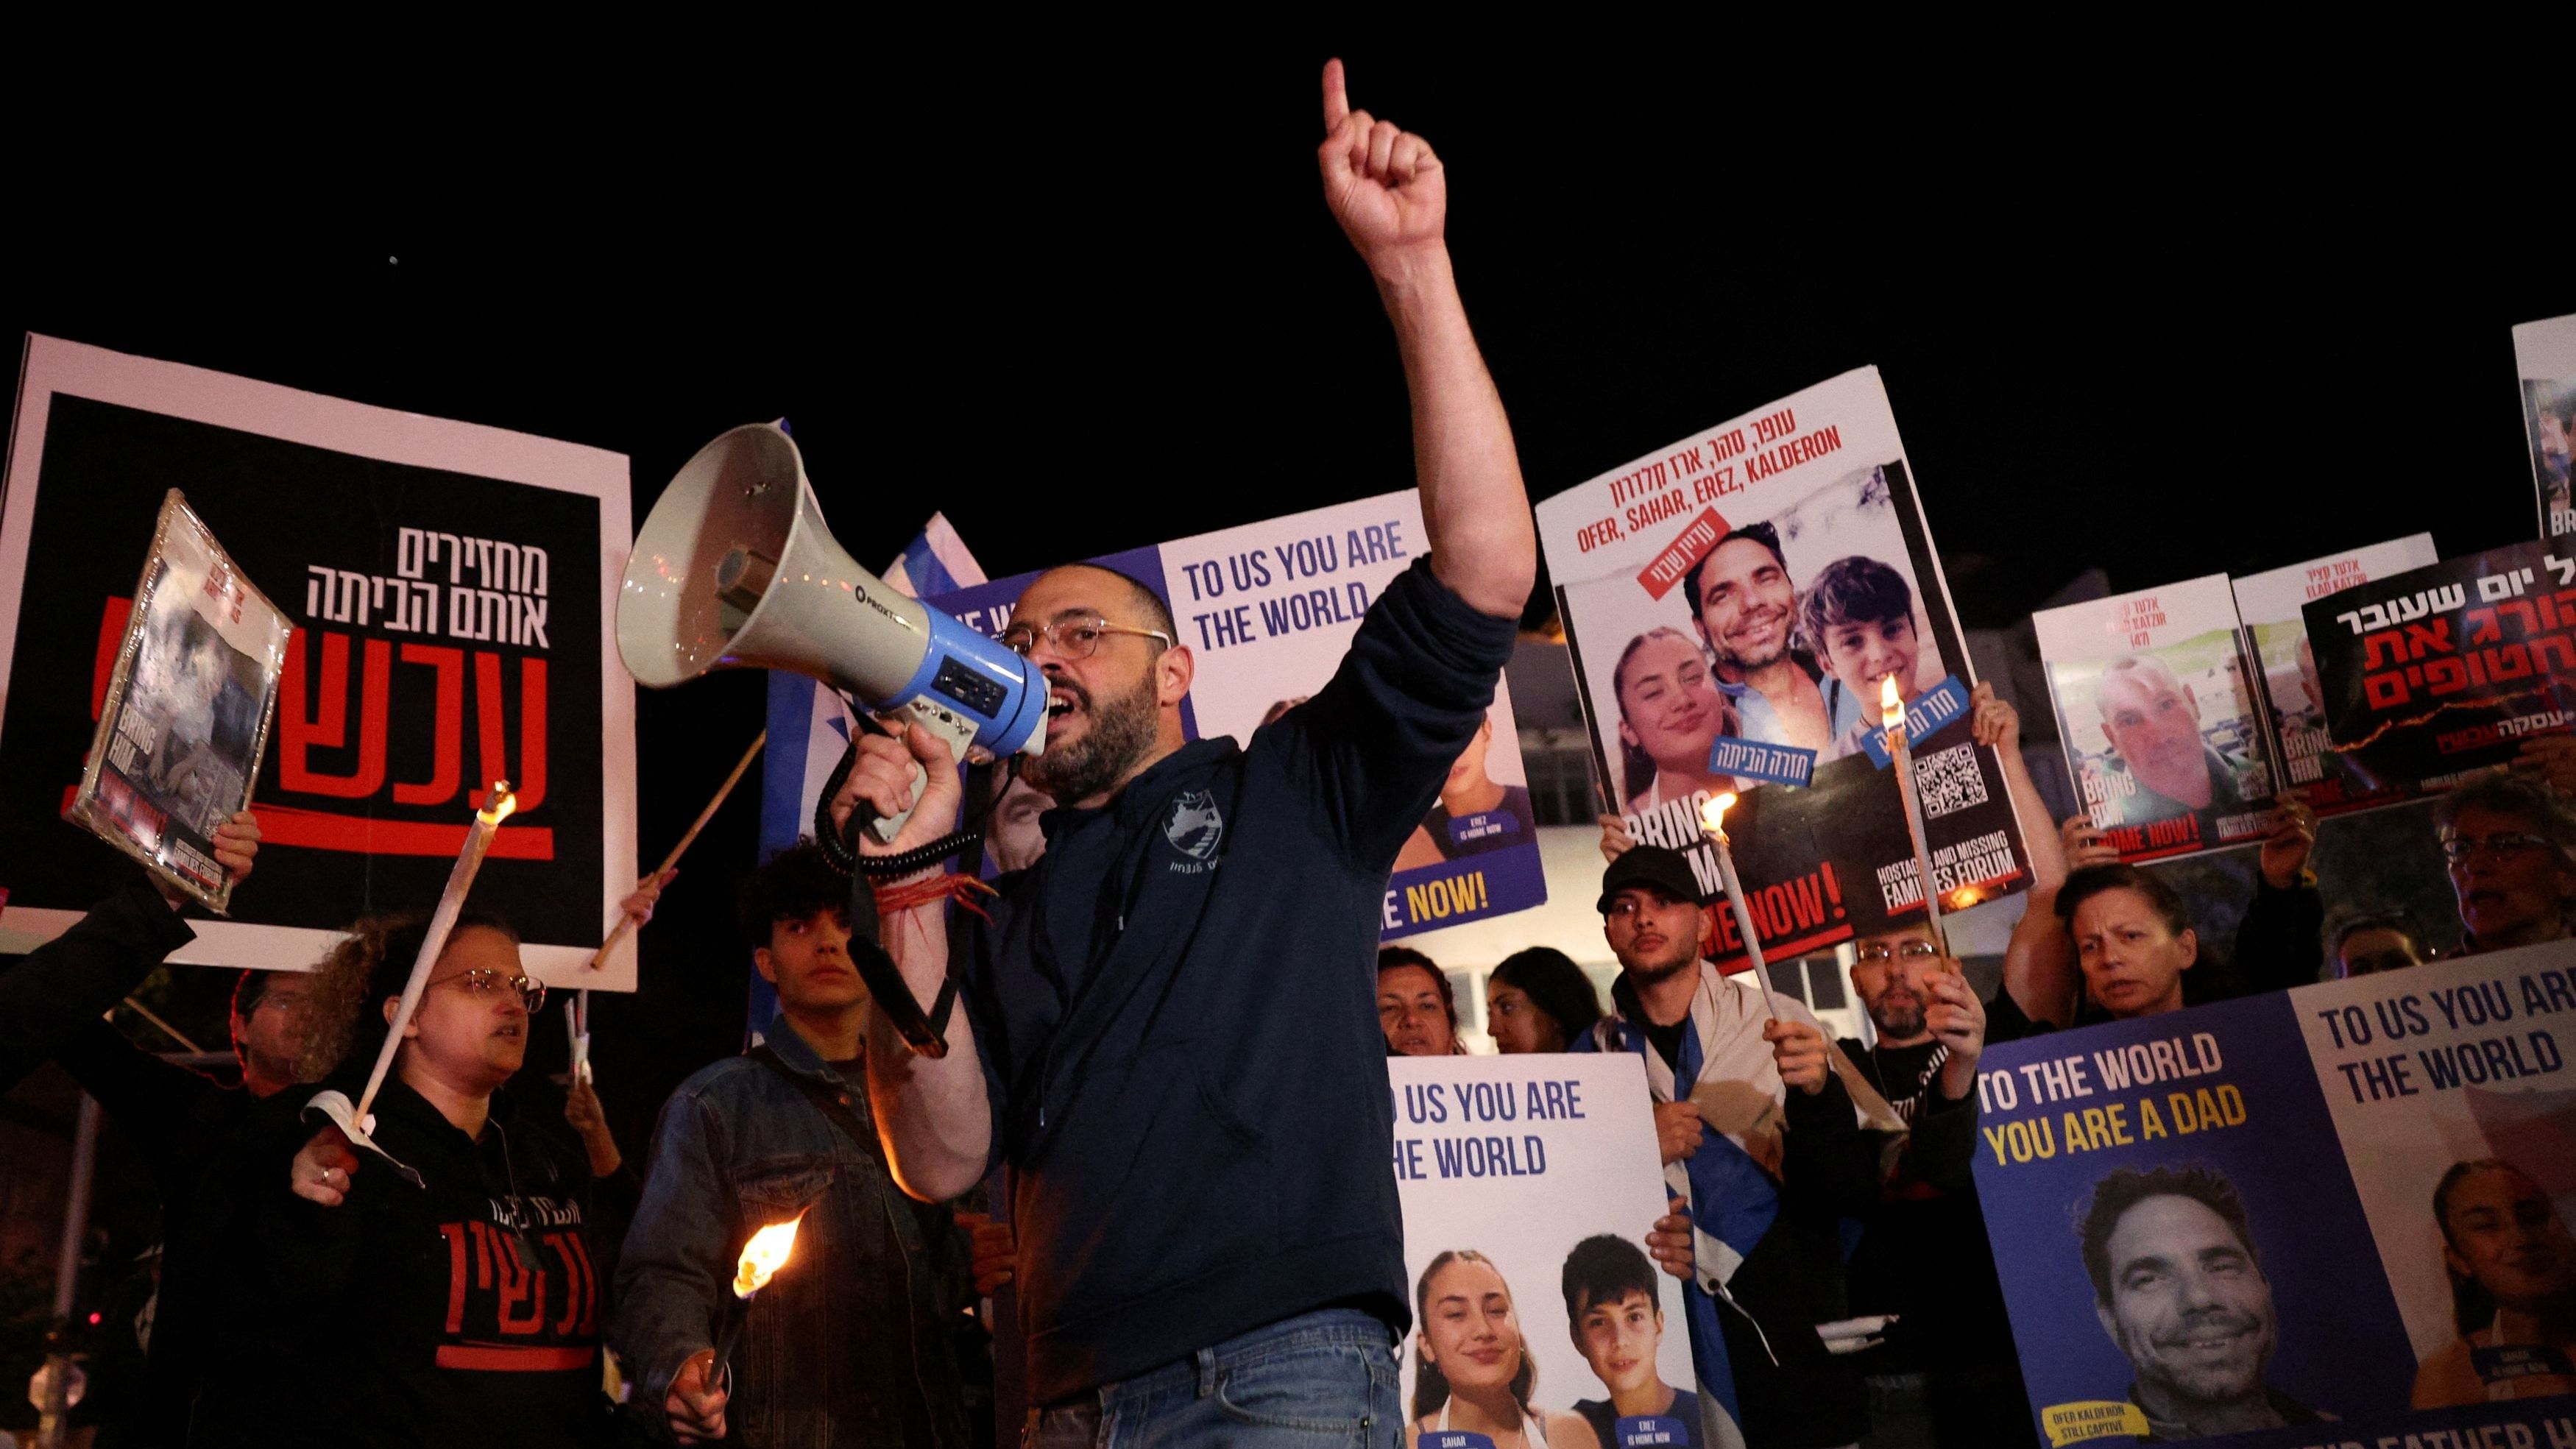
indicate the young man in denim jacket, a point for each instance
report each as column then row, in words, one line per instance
column 850, row 1345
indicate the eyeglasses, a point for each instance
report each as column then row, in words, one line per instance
column 1071, row 638
column 2458, row 848
column 483, row 981
column 1876, row 953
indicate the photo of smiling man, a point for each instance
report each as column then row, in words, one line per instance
column 1618, row 1326
column 2179, row 1286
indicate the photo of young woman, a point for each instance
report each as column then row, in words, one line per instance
column 1670, row 711
column 2513, row 1290
column 1472, row 1367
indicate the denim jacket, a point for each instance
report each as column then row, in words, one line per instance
column 851, row 1343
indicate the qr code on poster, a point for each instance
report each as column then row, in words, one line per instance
column 1949, row 780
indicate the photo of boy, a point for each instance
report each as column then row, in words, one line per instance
column 1617, row 1325
column 1858, row 618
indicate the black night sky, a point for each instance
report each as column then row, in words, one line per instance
column 2164, row 306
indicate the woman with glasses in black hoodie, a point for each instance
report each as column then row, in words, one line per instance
column 462, row 1307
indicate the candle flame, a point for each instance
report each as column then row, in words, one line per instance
column 764, row 1255
column 498, row 803
column 1713, row 814
column 1891, row 710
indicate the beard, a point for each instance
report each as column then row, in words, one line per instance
column 1121, row 733
column 1898, row 1016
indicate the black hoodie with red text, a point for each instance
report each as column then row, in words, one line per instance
column 465, row 1310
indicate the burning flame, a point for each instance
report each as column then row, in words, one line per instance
column 498, row 803
column 764, row 1255
column 1713, row 814
column 1891, row 710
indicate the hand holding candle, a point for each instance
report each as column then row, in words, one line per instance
column 353, row 1120
column 762, row 1257
column 1712, row 818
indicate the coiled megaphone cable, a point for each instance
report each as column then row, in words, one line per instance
column 923, row 1031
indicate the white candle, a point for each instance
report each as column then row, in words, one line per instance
column 1713, row 819
column 487, row 823
column 1891, row 715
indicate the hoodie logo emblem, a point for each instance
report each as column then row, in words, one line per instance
column 1196, row 828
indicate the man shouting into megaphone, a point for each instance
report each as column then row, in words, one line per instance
column 1170, row 1029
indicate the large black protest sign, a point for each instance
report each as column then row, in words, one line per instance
column 449, row 585
column 2438, row 670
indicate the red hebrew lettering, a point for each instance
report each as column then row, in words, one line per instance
column 2424, row 640
column 2530, row 615
column 530, row 781
column 300, row 729
column 447, row 764
column 522, row 1307
column 111, row 640
column 2387, row 641
column 2446, row 676
column 2511, row 662
column 2483, row 628
column 2384, row 691
column 2554, row 654
column 454, row 1233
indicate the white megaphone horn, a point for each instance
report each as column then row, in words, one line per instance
column 735, row 569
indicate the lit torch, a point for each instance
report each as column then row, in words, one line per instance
column 1712, row 818
column 1891, row 715
column 354, row 1121
column 762, row 1257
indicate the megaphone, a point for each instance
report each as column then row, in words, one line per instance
column 735, row 569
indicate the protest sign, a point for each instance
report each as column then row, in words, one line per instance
column 2269, row 605
column 2223, row 1218
column 2164, row 736
column 1733, row 604
column 452, row 588
column 1528, row 1184
column 2545, row 355
column 1268, row 610
column 186, row 715
column 2440, row 670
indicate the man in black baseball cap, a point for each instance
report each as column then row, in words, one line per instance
column 1754, row 1122
column 1667, row 871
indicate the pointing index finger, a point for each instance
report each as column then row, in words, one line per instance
column 1337, row 99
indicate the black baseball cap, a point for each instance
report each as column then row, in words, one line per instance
column 1650, row 865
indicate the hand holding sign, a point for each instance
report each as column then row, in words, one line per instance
column 1382, row 182
column 2286, row 845
column 1798, row 1050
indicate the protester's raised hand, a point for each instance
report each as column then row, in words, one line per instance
column 647, row 894
column 994, row 1251
column 881, row 779
column 1615, row 839
column 2552, row 758
column 1798, row 1050
column 1954, row 1015
column 2083, row 843
column 583, row 1112
column 2291, row 836
column 1382, row 182
column 1669, row 1241
column 1677, row 1129
column 322, row 1169
column 1993, row 721
column 695, row 1404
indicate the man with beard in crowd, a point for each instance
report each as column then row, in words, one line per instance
column 1178, row 992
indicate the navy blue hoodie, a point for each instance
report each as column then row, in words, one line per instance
column 1193, row 1093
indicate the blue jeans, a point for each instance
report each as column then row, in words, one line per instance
column 1323, row 1378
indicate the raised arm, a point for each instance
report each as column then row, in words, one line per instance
column 2039, row 962
column 1390, row 194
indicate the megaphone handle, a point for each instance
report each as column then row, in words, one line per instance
column 955, row 728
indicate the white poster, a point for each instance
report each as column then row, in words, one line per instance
column 1528, row 1184
column 2544, row 354
column 2163, row 730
